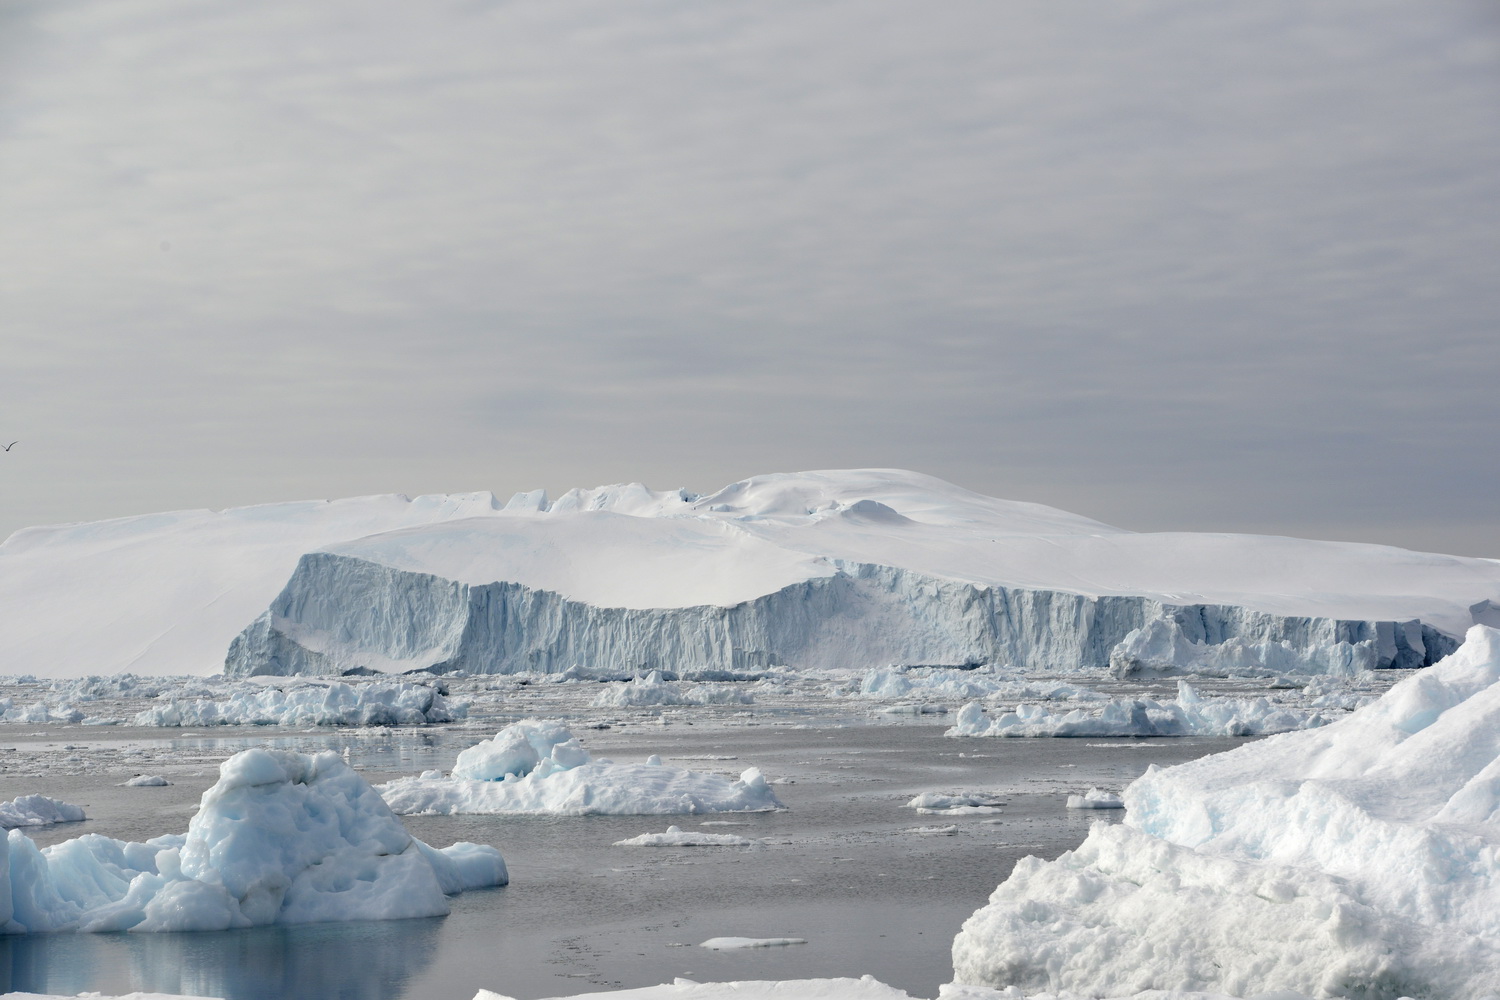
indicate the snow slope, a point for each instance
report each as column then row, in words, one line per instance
column 838, row 568
column 1357, row 860
column 165, row 593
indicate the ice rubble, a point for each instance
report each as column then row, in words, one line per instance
column 865, row 988
column 1188, row 715
column 537, row 766
column 307, row 703
column 282, row 837
column 37, row 810
column 840, row 570
column 653, row 690
column 1360, row 859
column 1096, row 798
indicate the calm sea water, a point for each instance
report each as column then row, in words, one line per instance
column 840, row 868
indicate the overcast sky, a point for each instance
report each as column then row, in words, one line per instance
column 1172, row 264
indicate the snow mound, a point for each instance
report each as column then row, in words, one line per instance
column 308, row 703
column 282, row 837
column 146, row 781
column 37, row 810
column 1188, row 715
column 652, row 690
column 1361, row 860
column 536, row 766
column 675, row 837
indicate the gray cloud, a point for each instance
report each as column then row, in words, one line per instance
column 1164, row 263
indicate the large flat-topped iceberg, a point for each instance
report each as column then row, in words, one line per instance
column 819, row 569
column 850, row 569
column 1357, row 860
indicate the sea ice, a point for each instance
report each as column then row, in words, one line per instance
column 1189, row 715
column 866, row 988
column 146, row 781
column 537, row 766
column 675, row 837
column 1361, row 859
column 282, row 837
column 37, row 810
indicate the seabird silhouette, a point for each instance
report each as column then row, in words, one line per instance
column 11, row 445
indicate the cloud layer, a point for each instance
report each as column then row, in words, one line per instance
column 1163, row 263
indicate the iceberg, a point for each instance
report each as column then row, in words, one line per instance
column 538, row 767
column 1188, row 715
column 37, row 810
column 282, row 837
column 1361, row 859
column 652, row 690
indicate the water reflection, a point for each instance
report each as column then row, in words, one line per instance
column 369, row 960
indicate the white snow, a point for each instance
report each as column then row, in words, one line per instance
column 538, row 766
column 736, row 943
column 282, row 837
column 677, row 837
column 167, row 593
column 37, row 810
column 1360, row 859
column 1188, row 715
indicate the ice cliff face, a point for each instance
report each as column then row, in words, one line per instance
column 339, row 612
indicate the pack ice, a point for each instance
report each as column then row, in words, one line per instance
column 1361, row 859
column 850, row 568
column 282, row 837
column 537, row 766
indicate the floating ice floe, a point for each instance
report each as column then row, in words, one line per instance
column 653, row 690
column 1096, row 798
column 308, row 703
column 282, row 837
column 736, row 943
column 1189, row 715
column 962, row 685
column 537, row 766
column 962, row 804
column 37, row 810
column 146, row 781
column 866, row 988
column 675, row 837
column 1357, row 860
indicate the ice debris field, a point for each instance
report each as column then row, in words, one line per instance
column 1347, row 849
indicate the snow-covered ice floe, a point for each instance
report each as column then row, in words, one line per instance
column 146, row 781
column 737, row 943
column 1188, row 715
column 537, row 766
column 307, row 703
column 101, row 996
column 1357, row 860
column 282, row 837
column 960, row 804
column 38, row 810
column 1096, row 798
column 676, row 837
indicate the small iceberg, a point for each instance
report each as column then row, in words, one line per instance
column 281, row 838
column 1096, row 798
column 538, row 767
column 675, row 837
column 37, row 810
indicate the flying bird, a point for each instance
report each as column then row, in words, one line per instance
column 11, row 445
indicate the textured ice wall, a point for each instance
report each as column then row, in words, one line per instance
column 338, row 612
